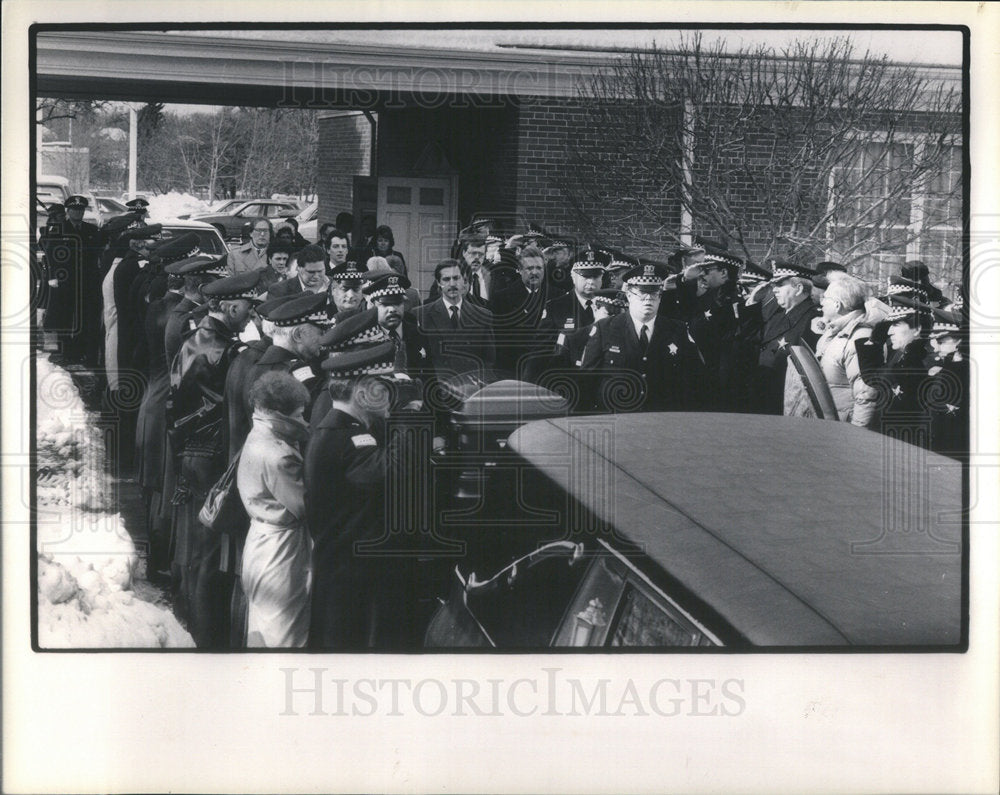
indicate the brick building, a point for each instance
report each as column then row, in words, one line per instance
column 422, row 130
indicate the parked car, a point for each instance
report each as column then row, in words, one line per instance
column 109, row 207
column 685, row 529
column 230, row 223
column 209, row 239
column 48, row 190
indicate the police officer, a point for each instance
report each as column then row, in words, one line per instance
column 359, row 600
column 345, row 296
column 646, row 362
column 195, row 410
column 949, row 391
column 788, row 325
column 574, row 310
column 75, row 271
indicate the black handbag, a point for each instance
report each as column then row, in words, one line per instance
column 223, row 511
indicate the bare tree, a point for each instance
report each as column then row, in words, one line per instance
column 807, row 152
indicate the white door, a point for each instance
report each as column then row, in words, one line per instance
column 423, row 215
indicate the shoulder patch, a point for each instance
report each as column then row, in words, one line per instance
column 303, row 373
column 364, row 440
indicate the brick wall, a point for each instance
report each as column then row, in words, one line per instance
column 478, row 142
column 344, row 152
column 547, row 129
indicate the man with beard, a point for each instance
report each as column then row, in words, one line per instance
column 645, row 362
column 197, row 424
column 345, row 291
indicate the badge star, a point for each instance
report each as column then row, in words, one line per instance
column 782, row 343
column 423, row 353
column 951, row 409
column 672, row 347
column 897, row 390
column 708, row 314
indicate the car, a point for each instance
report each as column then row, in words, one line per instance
column 665, row 530
column 109, row 207
column 230, row 223
column 209, row 239
column 48, row 190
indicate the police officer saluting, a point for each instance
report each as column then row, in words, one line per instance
column 646, row 362
column 197, row 381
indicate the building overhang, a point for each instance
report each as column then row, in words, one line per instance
column 173, row 67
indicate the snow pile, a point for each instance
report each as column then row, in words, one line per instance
column 86, row 558
column 174, row 204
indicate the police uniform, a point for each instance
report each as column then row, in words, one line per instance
column 567, row 312
column 662, row 374
column 948, row 391
column 72, row 253
column 352, row 328
column 346, row 467
column 197, row 382
column 779, row 331
column 149, row 435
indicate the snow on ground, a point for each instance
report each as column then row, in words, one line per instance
column 173, row 204
column 86, row 559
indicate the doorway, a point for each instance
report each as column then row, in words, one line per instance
column 423, row 215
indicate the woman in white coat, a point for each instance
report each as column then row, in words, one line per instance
column 276, row 570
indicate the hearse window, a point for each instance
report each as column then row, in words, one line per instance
column 645, row 622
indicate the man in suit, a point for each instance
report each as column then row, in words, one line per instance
column 644, row 362
column 517, row 312
column 472, row 256
column 311, row 275
column 459, row 331
column 786, row 325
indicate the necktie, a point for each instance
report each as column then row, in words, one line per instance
column 643, row 341
column 399, row 360
column 475, row 285
column 454, row 316
column 588, row 314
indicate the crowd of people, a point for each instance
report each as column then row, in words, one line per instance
column 278, row 371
